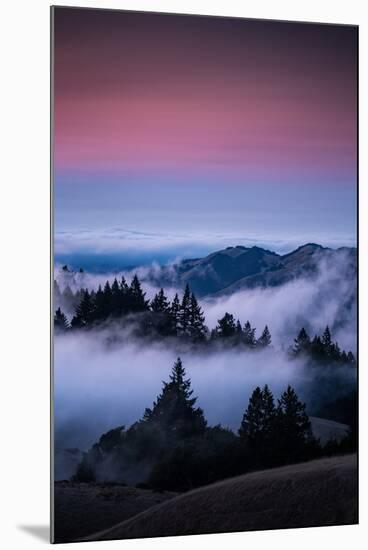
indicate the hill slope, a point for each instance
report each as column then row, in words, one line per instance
column 236, row 268
column 317, row 493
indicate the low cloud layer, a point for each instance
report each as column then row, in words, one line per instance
column 99, row 387
column 116, row 248
column 328, row 298
column 325, row 299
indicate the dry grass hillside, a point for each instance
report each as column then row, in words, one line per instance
column 316, row 493
column 82, row 508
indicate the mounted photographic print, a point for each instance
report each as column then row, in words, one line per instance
column 204, row 274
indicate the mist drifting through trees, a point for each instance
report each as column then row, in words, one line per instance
column 116, row 338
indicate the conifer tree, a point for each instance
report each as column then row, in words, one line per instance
column 84, row 312
column 124, row 296
column 258, row 420
column 335, row 352
column 294, row 427
column 160, row 303
column 60, row 320
column 138, row 303
column 317, row 348
column 327, row 341
column 124, row 287
column 301, row 343
column 174, row 410
column 226, row 326
column 184, row 314
column 249, row 338
column 175, row 314
column 265, row 339
column 197, row 327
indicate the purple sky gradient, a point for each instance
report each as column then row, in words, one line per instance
column 171, row 106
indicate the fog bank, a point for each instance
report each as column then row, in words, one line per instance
column 99, row 387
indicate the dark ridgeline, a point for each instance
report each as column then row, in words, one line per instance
column 173, row 448
column 181, row 319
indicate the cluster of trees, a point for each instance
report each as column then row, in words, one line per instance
column 231, row 331
column 173, row 448
column 183, row 318
column 320, row 348
column 177, row 318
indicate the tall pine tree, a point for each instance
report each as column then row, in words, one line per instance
column 197, row 328
column 184, row 314
column 249, row 337
column 265, row 339
column 138, row 303
column 258, row 420
column 226, row 326
column 174, row 410
column 301, row 343
column 175, row 315
column 294, row 432
column 160, row 303
column 84, row 313
column 60, row 321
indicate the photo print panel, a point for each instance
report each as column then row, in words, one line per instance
column 204, row 274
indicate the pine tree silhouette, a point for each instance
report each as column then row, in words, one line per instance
column 226, row 326
column 138, row 303
column 293, row 425
column 175, row 315
column 327, row 342
column 258, row 419
column 174, row 410
column 197, row 329
column 184, row 314
column 301, row 343
column 60, row 320
column 84, row 312
column 249, row 338
column 160, row 303
column 265, row 339
column 100, row 310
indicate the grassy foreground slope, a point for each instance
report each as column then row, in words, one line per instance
column 316, row 493
column 83, row 508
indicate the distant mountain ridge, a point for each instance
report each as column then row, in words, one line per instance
column 238, row 267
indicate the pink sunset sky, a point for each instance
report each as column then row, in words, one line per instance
column 230, row 103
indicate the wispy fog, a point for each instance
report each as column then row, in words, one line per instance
column 99, row 386
column 329, row 298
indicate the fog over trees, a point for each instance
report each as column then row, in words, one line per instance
column 184, row 319
column 172, row 447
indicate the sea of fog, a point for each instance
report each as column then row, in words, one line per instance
column 99, row 386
